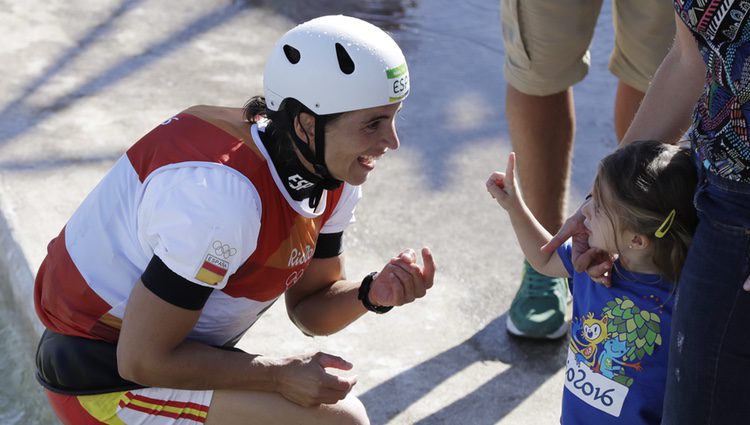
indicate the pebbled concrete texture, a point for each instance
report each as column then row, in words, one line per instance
column 81, row 80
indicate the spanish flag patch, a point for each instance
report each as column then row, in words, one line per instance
column 213, row 270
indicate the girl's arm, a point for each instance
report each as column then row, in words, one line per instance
column 530, row 234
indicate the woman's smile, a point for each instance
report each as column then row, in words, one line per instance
column 368, row 161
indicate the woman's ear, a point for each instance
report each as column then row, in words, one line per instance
column 304, row 126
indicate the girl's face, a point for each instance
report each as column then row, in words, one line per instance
column 599, row 225
column 356, row 140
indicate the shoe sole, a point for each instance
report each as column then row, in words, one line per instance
column 559, row 333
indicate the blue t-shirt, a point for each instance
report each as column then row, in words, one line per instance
column 616, row 368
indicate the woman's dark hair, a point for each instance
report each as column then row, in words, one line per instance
column 281, row 123
column 646, row 181
column 279, row 127
column 255, row 109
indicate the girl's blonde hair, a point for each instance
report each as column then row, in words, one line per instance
column 646, row 181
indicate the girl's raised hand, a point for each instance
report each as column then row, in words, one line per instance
column 503, row 186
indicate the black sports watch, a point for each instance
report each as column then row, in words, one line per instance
column 364, row 295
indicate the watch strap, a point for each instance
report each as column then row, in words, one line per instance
column 364, row 295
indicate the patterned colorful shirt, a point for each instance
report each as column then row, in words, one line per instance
column 719, row 134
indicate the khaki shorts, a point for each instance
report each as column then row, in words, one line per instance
column 547, row 41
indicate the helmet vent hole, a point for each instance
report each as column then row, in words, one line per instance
column 346, row 64
column 292, row 54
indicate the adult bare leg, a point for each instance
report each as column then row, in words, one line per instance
column 542, row 129
column 250, row 407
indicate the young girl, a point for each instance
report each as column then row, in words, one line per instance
column 641, row 212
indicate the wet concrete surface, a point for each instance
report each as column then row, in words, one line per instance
column 81, row 80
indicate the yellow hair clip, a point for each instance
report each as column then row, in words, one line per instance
column 664, row 228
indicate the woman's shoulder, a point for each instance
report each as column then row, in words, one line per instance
column 230, row 120
column 224, row 112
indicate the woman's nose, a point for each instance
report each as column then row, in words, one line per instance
column 391, row 139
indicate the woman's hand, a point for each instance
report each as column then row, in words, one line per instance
column 402, row 280
column 597, row 263
column 304, row 380
column 503, row 186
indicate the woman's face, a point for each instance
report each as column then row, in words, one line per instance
column 598, row 224
column 356, row 140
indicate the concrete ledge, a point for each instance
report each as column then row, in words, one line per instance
column 16, row 276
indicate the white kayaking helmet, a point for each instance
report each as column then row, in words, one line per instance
column 335, row 64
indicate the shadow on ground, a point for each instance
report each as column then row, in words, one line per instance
column 532, row 362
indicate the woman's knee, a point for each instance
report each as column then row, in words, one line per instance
column 349, row 411
column 236, row 407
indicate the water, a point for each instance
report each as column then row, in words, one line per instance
column 390, row 15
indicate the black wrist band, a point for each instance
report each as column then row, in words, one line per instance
column 364, row 295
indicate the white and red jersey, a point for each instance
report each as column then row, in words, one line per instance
column 200, row 192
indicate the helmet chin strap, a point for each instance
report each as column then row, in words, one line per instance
column 317, row 159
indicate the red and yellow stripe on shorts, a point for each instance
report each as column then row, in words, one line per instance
column 146, row 406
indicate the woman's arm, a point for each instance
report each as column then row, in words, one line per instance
column 153, row 350
column 324, row 302
column 666, row 110
column 322, row 289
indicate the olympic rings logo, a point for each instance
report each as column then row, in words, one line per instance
column 223, row 250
